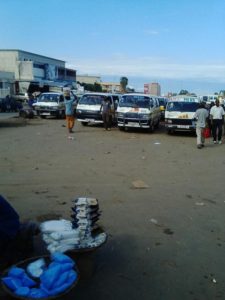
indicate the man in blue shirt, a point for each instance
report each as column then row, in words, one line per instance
column 70, row 120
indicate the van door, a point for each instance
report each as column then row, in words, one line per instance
column 153, row 110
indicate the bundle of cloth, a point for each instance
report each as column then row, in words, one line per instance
column 59, row 235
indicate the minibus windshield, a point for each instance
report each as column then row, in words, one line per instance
column 134, row 101
column 92, row 99
column 182, row 106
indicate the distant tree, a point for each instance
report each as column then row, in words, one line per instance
column 130, row 89
column 89, row 87
column 170, row 94
column 183, row 92
column 123, row 84
column 96, row 87
column 222, row 93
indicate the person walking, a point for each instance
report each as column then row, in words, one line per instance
column 201, row 115
column 70, row 120
column 106, row 112
column 217, row 119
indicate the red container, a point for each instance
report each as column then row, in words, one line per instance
column 207, row 133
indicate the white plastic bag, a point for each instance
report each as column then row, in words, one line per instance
column 62, row 235
column 55, row 225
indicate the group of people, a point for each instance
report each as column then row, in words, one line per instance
column 212, row 119
column 105, row 110
column 9, row 104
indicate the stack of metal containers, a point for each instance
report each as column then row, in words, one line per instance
column 84, row 219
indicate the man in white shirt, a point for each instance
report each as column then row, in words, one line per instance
column 217, row 117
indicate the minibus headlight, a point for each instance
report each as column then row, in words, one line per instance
column 145, row 116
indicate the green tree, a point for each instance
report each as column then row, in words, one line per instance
column 96, row 87
column 222, row 93
column 123, row 84
column 183, row 92
column 130, row 89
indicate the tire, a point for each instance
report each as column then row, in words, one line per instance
column 23, row 114
column 157, row 124
column 151, row 128
column 84, row 123
column 61, row 114
column 30, row 115
column 43, row 117
column 121, row 128
column 169, row 131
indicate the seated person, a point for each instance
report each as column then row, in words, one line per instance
column 15, row 237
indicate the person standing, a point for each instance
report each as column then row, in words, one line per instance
column 31, row 101
column 217, row 119
column 106, row 112
column 201, row 115
column 70, row 120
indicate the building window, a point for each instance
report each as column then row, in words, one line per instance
column 70, row 73
column 39, row 66
column 61, row 72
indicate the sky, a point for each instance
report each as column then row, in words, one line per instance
column 180, row 44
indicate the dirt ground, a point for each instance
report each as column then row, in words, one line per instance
column 165, row 241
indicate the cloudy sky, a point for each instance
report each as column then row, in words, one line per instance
column 180, row 44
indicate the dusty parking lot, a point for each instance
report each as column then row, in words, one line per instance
column 166, row 241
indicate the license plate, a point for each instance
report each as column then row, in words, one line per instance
column 89, row 120
column 133, row 124
column 45, row 114
column 183, row 126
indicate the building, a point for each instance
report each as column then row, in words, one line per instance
column 6, row 84
column 108, row 87
column 89, row 79
column 111, row 87
column 34, row 72
column 152, row 88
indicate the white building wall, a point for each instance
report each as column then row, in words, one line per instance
column 9, row 63
column 26, row 70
